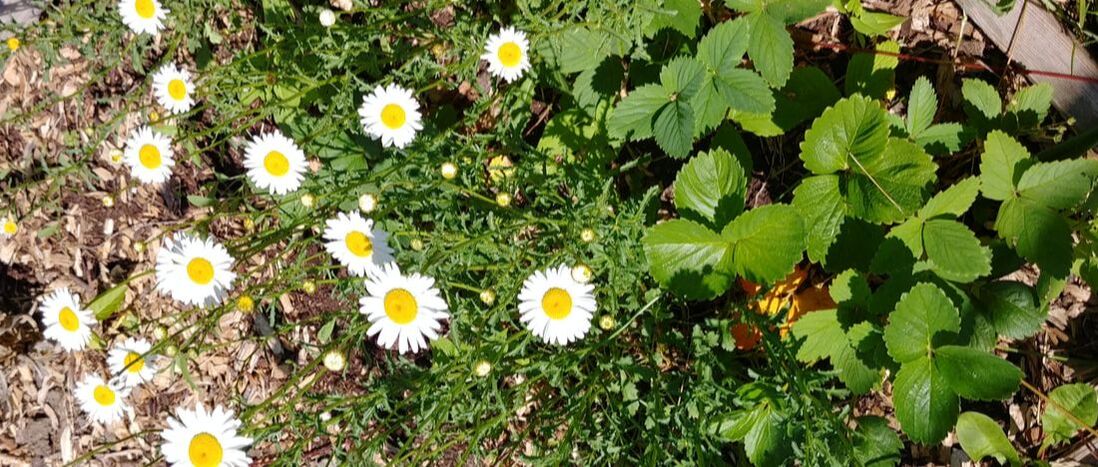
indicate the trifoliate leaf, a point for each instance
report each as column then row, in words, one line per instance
column 925, row 406
column 768, row 241
column 711, row 187
column 921, row 314
column 1038, row 233
column 998, row 164
column 688, row 258
column 1032, row 103
column 891, row 185
column 1012, row 308
column 770, row 48
column 820, row 203
column 673, row 128
column 975, row 374
column 875, row 443
column 983, row 97
column 1060, row 184
column 922, row 104
column 953, row 201
column 980, row 437
column 634, row 116
column 954, row 252
column 855, row 127
column 1080, row 400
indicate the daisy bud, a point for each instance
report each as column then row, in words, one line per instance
column 245, row 304
column 327, row 18
column 309, row 287
column 587, row 235
column 153, row 116
column 482, row 368
column 417, row 244
column 160, row 333
column 170, row 350
column 139, row 247
column 581, row 273
column 108, row 201
column 115, row 155
column 367, row 203
column 308, row 200
column 325, row 416
column 13, row 44
column 488, row 296
column 449, row 170
column 607, row 322
column 249, row 224
column 334, row 360
column 503, row 200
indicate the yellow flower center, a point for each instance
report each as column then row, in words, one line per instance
column 149, row 156
column 359, row 244
column 103, row 395
column 276, row 163
column 10, row 227
column 13, row 44
column 68, row 320
column 401, row 306
column 145, row 8
column 200, row 270
column 393, row 116
column 133, row 362
column 509, row 54
column 205, row 450
column 557, row 303
column 177, row 89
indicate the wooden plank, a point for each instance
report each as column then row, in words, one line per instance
column 1041, row 43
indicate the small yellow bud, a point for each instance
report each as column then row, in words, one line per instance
column 139, row 247
column 367, row 203
column 500, row 168
column 417, row 244
column 153, row 116
column 503, row 200
column 488, row 296
column 10, row 227
column 587, row 235
column 309, row 287
column 581, row 273
column 115, row 155
column 308, row 200
column 160, row 333
column 334, row 360
column 607, row 322
column 108, row 201
column 245, row 304
column 482, row 368
column 170, row 350
column 13, row 44
column 449, row 170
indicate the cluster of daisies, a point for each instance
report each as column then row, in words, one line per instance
column 194, row 437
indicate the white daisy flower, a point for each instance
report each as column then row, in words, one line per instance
column 402, row 309
column 103, row 402
column 66, row 321
column 194, row 271
column 129, row 362
column 197, row 438
column 149, row 155
column 173, row 88
column 143, row 16
column 556, row 307
column 391, row 114
column 275, row 163
column 507, row 54
column 356, row 243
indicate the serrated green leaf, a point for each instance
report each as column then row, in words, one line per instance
column 712, row 187
column 634, row 116
column 723, row 46
column 954, row 251
column 580, row 48
column 682, row 78
column 680, row 15
column 1077, row 399
column 770, row 48
column 975, row 374
column 953, row 201
column 922, row 104
column 872, row 23
column 943, row 138
column 853, row 127
column 688, row 258
column 1038, row 233
column 921, row 315
column 850, row 287
column 889, row 186
column 820, row 203
column 768, row 443
column 1012, row 308
column 767, row 242
column 875, row 443
column 925, row 406
column 597, row 85
column 855, row 247
column 109, row 302
column 998, row 163
column 736, row 426
column 673, row 129
column 1034, row 100
column 873, row 74
column 858, row 374
column 805, row 96
column 822, row 335
column 980, row 437
column 1060, row 184
column 983, row 97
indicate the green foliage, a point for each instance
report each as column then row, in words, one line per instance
column 1080, row 400
column 980, row 437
